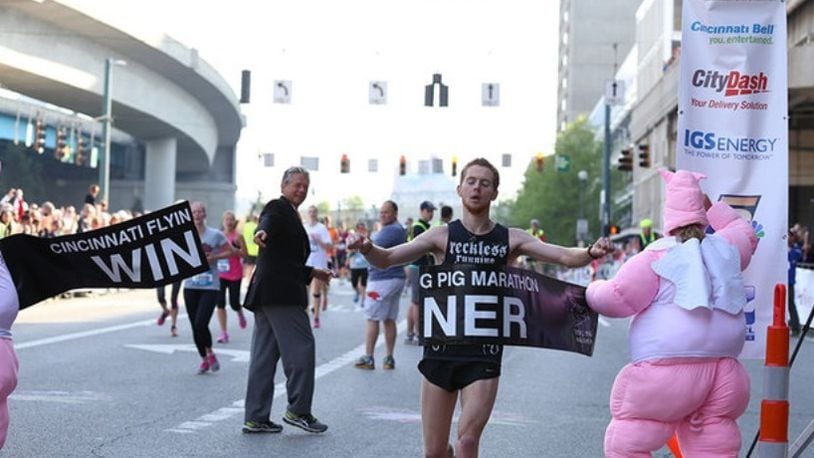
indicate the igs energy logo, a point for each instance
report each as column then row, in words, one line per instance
column 731, row 84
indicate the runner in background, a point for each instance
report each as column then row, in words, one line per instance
column 358, row 267
column 231, row 276
column 426, row 212
column 320, row 242
column 249, row 226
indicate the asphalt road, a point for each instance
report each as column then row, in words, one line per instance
column 99, row 378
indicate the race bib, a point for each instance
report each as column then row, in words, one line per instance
column 204, row 279
column 223, row 265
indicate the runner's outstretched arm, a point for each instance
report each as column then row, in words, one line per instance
column 431, row 241
column 524, row 244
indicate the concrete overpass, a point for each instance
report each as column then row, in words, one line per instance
column 166, row 97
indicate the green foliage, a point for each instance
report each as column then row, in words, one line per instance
column 353, row 203
column 553, row 197
column 324, row 207
column 21, row 169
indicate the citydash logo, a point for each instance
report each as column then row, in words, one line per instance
column 731, row 84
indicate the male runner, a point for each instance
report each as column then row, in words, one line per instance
column 471, row 370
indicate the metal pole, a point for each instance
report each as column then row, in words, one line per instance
column 606, row 213
column 104, row 160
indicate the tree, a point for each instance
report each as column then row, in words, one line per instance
column 353, row 204
column 553, row 197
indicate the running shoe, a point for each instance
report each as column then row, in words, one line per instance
column 306, row 422
column 204, row 367
column 410, row 340
column 224, row 337
column 241, row 320
column 365, row 362
column 214, row 365
column 389, row 362
column 316, row 322
column 163, row 317
column 261, row 427
column 356, row 297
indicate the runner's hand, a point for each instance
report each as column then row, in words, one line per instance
column 601, row 247
column 260, row 238
column 355, row 241
column 321, row 274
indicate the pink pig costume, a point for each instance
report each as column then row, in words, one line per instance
column 688, row 328
column 9, row 306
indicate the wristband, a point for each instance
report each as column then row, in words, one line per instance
column 588, row 249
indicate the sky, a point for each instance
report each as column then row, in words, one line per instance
column 331, row 50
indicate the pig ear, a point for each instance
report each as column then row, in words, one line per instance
column 667, row 175
column 699, row 176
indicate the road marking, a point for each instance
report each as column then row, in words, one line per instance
column 412, row 416
column 92, row 332
column 604, row 322
column 62, row 397
column 237, row 355
column 237, row 407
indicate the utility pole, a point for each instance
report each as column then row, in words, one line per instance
column 606, row 185
column 107, row 121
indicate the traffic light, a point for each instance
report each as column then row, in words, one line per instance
column 644, row 155
column 344, row 164
column 454, row 166
column 39, row 136
column 60, row 149
column 539, row 161
column 626, row 160
column 402, row 166
column 81, row 151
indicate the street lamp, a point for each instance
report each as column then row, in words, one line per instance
column 582, row 223
column 107, row 121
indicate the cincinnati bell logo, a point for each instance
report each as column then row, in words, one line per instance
column 731, row 84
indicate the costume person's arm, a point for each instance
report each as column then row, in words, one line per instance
column 431, row 241
column 524, row 243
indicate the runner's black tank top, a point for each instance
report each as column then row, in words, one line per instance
column 464, row 247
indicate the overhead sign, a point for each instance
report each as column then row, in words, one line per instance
column 563, row 162
column 474, row 304
column 490, row 94
column 443, row 92
column 282, row 91
column 614, row 92
column 377, row 93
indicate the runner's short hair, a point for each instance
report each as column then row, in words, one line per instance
column 483, row 163
column 395, row 207
column 291, row 171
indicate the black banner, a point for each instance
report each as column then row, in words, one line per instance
column 497, row 305
column 153, row 250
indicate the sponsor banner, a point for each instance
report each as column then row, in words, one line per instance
column 471, row 304
column 156, row 249
column 804, row 293
column 732, row 127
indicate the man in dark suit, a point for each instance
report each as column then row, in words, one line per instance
column 277, row 296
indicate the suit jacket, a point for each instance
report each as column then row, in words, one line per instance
column 280, row 276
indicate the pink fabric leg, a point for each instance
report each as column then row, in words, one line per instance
column 712, row 431
column 8, row 381
column 650, row 399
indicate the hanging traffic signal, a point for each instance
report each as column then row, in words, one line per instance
column 539, row 161
column 60, row 149
column 402, row 166
column 454, row 166
column 81, row 151
column 626, row 160
column 344, row 164
column 644, row 155
column 39, row 136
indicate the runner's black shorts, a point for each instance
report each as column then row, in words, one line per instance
column 251, row 259
column 455, row 375
column 358, row 275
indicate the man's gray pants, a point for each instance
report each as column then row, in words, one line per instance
column 280, row 332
